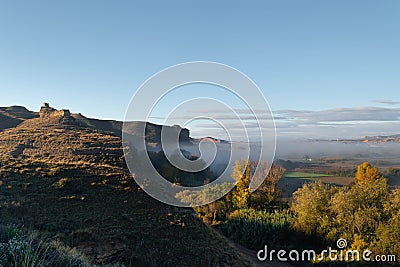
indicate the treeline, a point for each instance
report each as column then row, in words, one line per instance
column 342, row 172
column 266, row 197
column 366, row 214
column 392, row 172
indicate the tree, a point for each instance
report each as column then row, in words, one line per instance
column 311, row 204
column 242, row 175
column 388, row 233
column 367, row 173
column 366, row 214
column 268, row 192
column 358, row 210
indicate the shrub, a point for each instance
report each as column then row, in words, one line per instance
column 20, row 249
column 254, row 229
column 61, row 183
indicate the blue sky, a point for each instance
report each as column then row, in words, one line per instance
column 91, row 56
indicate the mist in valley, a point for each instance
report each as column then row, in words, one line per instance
column 299, row 149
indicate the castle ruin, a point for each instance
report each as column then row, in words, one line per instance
column 48, row 112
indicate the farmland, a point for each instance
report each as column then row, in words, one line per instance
column 305, row 175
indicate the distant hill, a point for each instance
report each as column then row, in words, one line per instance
column 65, row 176
column 14, row 115
column 371, row 139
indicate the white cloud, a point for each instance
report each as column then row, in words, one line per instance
column 387, row 102
column 330, row 123
column 342, row 115
column 341, row 122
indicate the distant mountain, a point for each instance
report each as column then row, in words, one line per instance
column 373, row 139
column 382, row 139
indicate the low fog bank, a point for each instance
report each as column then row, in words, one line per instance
column 288, row 149
column 298, row 149
column 291, row 149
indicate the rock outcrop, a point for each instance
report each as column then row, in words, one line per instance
column 48, row 112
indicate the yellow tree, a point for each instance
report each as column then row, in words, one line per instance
column 388, row 233
column 367, row 173
column 242, row 175
column 311, row 204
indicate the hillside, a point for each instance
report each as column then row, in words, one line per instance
column 65, row 176
column 12, row 116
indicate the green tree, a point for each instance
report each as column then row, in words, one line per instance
column 268, row 192
column 388, row 233
column 358, row 210
column 311, row 205
column 354, row 213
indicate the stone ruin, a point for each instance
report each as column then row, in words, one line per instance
column 48, row 112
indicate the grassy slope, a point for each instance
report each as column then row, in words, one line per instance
column 71, row 183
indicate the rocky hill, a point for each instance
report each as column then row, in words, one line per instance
column 64, row 175
column 12, row 116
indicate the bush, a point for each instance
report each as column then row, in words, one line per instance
column 19, row 249
column 61, row 183
column 254, row 229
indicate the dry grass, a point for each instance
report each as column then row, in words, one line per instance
column 70, row 183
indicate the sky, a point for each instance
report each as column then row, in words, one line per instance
column 327, row 68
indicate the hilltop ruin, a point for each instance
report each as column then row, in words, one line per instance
column 48, row 112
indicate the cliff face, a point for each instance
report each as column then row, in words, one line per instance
column 153, row 133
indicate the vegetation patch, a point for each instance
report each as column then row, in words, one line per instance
column 256, row 228
column 61, row 183
column 305, row 175
column 18, row 248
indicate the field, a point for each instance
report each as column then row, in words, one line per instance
column 305, row 175
column 293, row 180
column 333, row 170
column 326, row 178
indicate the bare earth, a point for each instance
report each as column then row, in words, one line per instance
column 251, row 256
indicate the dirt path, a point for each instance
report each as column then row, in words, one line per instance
column 250, row 255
